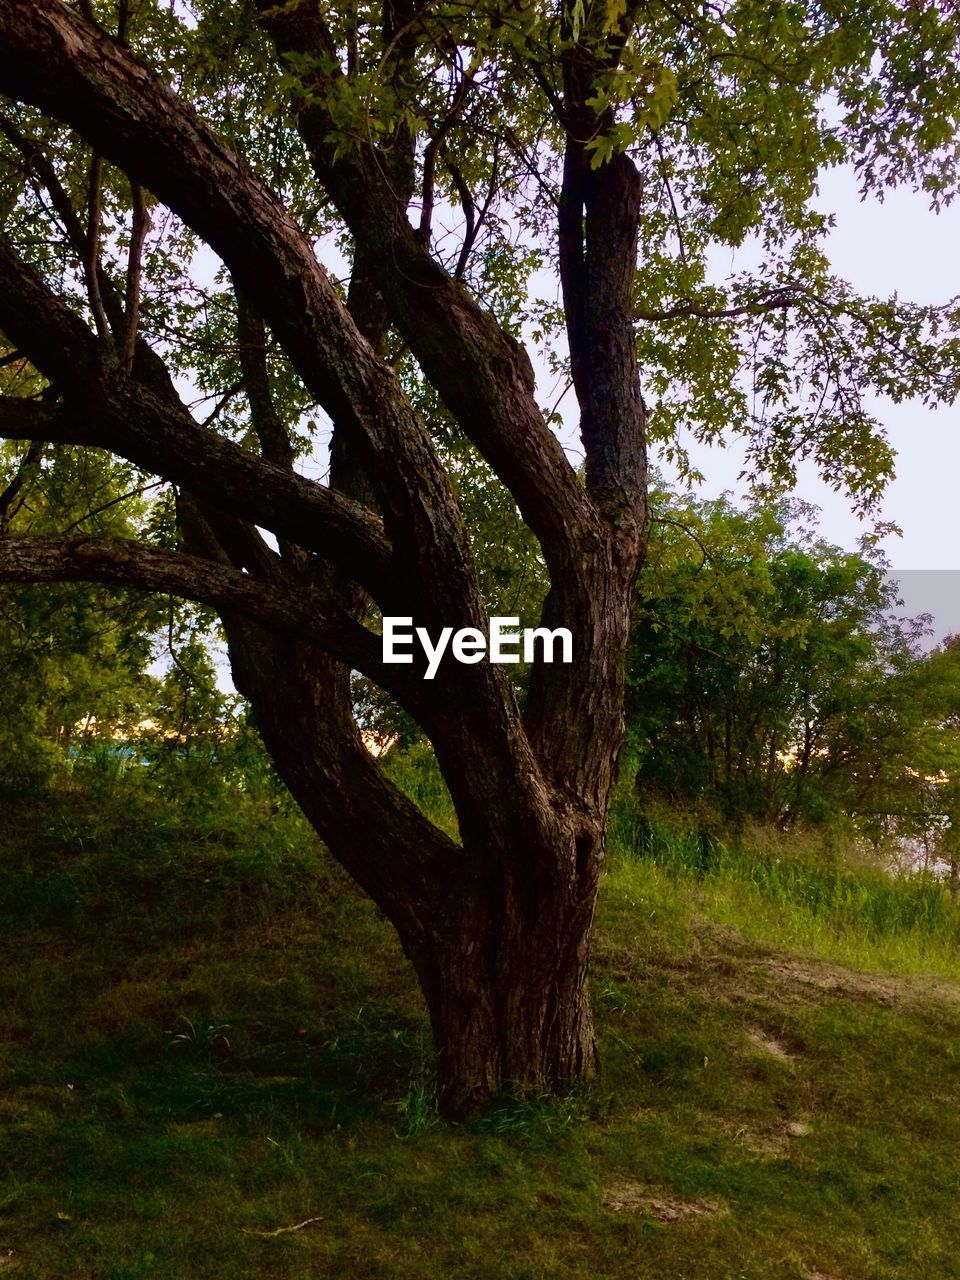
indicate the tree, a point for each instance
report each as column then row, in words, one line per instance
column 71, row 653
column 895, row 762
column 518, row 136
column 769, row 673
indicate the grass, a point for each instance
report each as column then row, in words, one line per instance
column 208, row 1037
column 776, row 890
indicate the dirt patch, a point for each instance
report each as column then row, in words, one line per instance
column 647, row 1202
column 879, row 987
column 768, row 1143
column 763, row 1042
column 774, row 1143
column 882, row 988
column 725, row 952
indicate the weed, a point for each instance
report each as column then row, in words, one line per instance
column 200, row 1036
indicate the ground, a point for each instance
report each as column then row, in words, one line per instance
column 214, row 1063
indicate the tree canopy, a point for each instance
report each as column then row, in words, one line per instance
column 772, row 674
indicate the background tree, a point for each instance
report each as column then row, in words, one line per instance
column 438, row 154
column 770, row 673
column 68, row 654
column 896, row 764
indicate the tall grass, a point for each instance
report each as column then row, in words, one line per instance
column 795, row 893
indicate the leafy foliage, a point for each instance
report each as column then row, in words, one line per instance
column 70, row 657
column 77, row 670
column 771, row 677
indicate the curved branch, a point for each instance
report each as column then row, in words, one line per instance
column 92, row 265
column 401, row 847
column 124, row 562
column 39, row 166
column 434, row 146
column 136, row 426
column 52, row 58
column 482, row 373
column 149, row 426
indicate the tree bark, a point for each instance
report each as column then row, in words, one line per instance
column 499, row 936
column 509, row 999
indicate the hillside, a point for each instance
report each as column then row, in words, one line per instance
column 214, row 1063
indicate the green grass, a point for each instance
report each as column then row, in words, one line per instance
column 207, row 1035
column 793, row 894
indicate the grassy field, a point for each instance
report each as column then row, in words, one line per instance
column 213, row 1063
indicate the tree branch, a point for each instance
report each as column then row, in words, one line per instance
column 41, row 168
column 139, row 228
column 92, row 257
column 149, row 426
column 135, row 426
column 434, row 146
column 252, row 350
column 774, row 300
column 38, row 164
column 469, row 207
column 597, row 243
column 124, row 562
column 8, row 496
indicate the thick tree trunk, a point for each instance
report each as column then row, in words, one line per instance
column 509, row 1023
column 502, row 959
column 505, row 978
column 498, row 934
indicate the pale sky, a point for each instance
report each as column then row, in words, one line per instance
column 899, row 246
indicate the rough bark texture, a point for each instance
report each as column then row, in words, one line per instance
column 498, row 925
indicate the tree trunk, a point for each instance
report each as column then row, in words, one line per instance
column 509, row 1023
column 498, row 933
column 505, row 978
